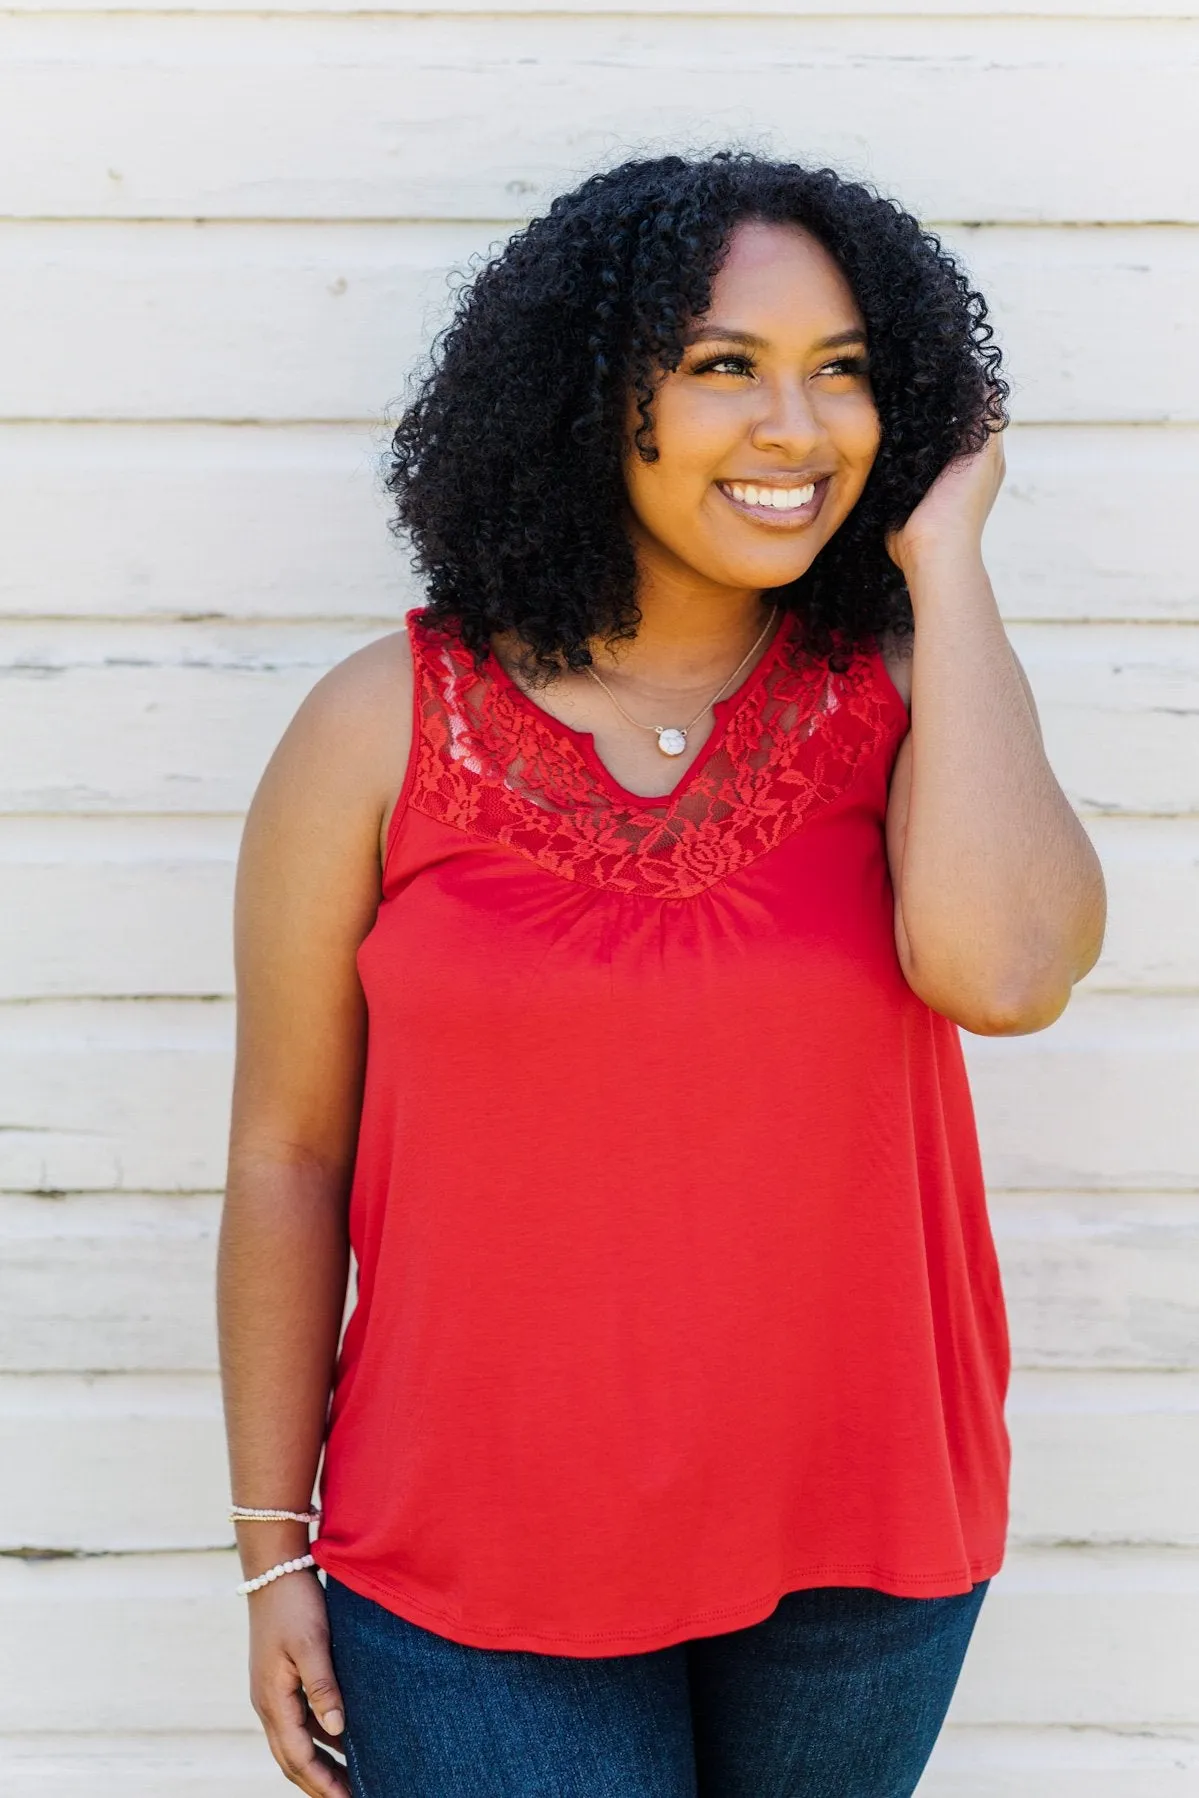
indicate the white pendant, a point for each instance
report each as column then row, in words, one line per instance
column 671, row 741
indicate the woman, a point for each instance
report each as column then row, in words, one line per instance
column 666, row 1451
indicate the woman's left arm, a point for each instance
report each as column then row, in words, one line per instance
column 1000, row 904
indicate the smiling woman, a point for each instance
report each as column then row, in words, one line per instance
column 777, row 426
column 603, row 942
column 512, row 467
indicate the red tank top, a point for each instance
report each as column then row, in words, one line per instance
column 676, row 1285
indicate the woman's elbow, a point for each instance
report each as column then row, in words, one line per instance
column 1019, row 1015
column 1017, row 1007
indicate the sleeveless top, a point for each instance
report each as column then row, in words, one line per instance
column 676, row 1288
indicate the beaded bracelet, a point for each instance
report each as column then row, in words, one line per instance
column 274, row 1573
column 248, row 1514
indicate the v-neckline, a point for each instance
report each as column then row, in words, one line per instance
column 584, row 740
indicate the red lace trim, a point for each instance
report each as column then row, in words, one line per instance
column 492, row 763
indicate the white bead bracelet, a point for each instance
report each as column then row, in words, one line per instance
column 274, row 1573
column 249, row 1514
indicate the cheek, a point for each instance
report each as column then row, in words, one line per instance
column 691, row 441
column 858, row 436
column 853, row 423
column 657, row 496
column 697, row 421
column 868, row 432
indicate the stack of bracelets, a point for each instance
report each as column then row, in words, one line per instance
column 253, row 1514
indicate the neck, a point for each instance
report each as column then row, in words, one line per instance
column 688, row 644
column 693, row 633
column 693, row 630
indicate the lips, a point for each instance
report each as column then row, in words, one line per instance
column 770, row 516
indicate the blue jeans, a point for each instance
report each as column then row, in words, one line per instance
column 839, row 1693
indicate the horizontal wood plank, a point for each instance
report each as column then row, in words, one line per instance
column 397, row 117
column 117, row 907
column 1084, row 1637
column 1090, row 523
column 1151, row 867
column 103, row 718
column 216, row 1764
column 186, row 521
column 241, row 322
column 113, row 1461
column 1118, row 705
column 1104, row 1098
column 102, row 1095
column 1061, row 1763
column 124, row 1282
column 1100, row 1280
column 966, row 1763
column 815, row 9
column 116, row 1282
column 111, row 907
column 1039, row 284
column 136, row 1462
column 175, row 521
column 104, row 1643
column 1079, row 1637
column 1102, row 1457
column 232, row 322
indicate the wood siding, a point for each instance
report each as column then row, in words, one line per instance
column 203, row 330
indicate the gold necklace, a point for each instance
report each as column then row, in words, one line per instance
column 672, row 738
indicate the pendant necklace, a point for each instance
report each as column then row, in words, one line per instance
column 672, row 738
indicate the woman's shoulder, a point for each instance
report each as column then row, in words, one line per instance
column 344, row 754
column 368, row 699
column 368, row 676
column 364, row 702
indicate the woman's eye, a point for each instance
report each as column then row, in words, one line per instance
column 738, row 364
column 732, row 364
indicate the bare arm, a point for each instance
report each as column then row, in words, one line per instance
column 306, row 895
column 1000, row 898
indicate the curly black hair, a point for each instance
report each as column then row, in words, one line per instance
column 506, row 466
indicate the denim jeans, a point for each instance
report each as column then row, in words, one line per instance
column 839, row 1693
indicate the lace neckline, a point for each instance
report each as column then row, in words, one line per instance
column 725, row 709
column 790, row 743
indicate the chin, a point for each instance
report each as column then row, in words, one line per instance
column 743, row 573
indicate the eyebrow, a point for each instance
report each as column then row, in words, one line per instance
column 712, row 333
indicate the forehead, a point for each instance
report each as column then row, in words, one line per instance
column 781, row 275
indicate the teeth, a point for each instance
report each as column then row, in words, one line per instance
column 777, row 499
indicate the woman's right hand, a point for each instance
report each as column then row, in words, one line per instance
column 292, row 1684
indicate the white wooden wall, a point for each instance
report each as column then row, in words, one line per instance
column 224, row 231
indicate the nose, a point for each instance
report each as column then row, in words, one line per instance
column 787, row 423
